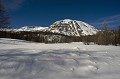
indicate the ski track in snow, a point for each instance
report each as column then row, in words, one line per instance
column 22, row 60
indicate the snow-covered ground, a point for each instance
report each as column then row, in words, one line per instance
column 28, row 60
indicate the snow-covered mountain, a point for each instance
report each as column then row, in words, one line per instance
column 72, row 28
column 32, row 28
column 66, row 27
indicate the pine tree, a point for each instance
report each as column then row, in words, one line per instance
column 104, row 26
column 119, row 35
column 105, row 34
column 4, row 18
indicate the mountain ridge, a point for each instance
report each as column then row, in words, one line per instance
column 67, row 27
column 72, row 28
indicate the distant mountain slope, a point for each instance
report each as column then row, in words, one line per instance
column 66, row 27
column 72, row 28
column 32, row 28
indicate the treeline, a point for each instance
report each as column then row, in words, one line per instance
column 104, row 37
column 39, row 36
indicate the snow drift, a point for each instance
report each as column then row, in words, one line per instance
column 28, row 60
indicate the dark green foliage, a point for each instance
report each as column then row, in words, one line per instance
column 104, row 37
column 104, row 26
column 42, row 37
column 119, row 35
column 109, row 37
column 87, row 39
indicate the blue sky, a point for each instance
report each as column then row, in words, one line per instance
column 45, row 12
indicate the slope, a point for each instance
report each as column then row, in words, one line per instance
column 72, row 28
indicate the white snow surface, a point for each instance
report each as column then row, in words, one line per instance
column 28, row 60
column 72, row 28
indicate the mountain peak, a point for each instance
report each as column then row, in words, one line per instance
column 72, row 28
column 67, row 27
column 67, row 20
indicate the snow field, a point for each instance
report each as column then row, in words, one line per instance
column 28, row 60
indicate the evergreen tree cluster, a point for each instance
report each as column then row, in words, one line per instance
column 42, row 37
column 104, row 37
